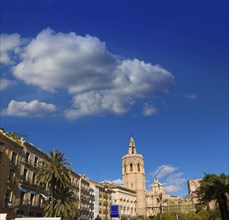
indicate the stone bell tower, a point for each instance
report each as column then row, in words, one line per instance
column 133, row 175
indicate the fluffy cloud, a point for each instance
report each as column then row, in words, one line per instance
column 149, row 109
column 171, row 179
column 9, row 44
column 174, row 182
column 117, row 182
column 99, row 81
column 5, row 84
column 97, row 103
column 29, row 109
column 190, row 96
column 56, row 60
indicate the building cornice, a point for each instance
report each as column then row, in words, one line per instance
column 132, row 155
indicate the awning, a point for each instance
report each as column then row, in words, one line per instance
column 23, row 189
column 33, row 192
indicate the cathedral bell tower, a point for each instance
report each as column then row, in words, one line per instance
column 133, row 175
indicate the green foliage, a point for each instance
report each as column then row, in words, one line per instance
column 191, row 215
column 54, row 170
column 167, row 216
column 214, row 214
column 215, row 188
column 203, row 215
column 56, row 175
column 65, row 204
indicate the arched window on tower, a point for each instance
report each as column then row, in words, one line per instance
column 133, row 150
column 125, row 168
column 131, row 167
column 138, row 167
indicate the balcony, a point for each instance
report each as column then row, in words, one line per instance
column 25, row 203
column 14, row 164
column 27, row 181
column 11, row 181
column 29, row 163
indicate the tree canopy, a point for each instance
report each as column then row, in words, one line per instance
column 54, row 172
column 215, row 188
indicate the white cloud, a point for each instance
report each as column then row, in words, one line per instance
column 29, row 109
column 9, row 43
column 97, row 103
column 149, row 109
column 141, row 80
column 57, row 60
column 171, row 179
column 5, row 84
column 190, row 96
column 99, row 81
column 174, row 183
column 163, row 170
column 117, row 182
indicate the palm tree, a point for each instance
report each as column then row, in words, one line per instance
column 55, row 174
column 215, row 188
column 65, row 204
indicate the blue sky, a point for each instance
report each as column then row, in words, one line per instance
column 83, row 76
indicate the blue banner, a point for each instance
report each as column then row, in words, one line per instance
column 114, row 212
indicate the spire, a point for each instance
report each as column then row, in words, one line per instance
column 132, row 147
column 132, row 144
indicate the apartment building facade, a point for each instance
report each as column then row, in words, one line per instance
column 126, row 199
column 84, row 198
column 19, row 193
column 103, row 199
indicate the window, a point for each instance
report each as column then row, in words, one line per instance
column 8, row 198
column 22, row 197
column 1, row 150
column 138, row 167
column 131, row 167
column 132, row 185
column 11, row 175
column 1, row 147
column 14, row 158
column 40, row 201
column 34, row 178
column 27, row 157
column 132, row 150
column 35, row 161
column 31, row 199
column 125, row 168
column 25, row 174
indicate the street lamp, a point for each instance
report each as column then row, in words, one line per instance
column 160, row 199
column 106, row 189
column 179, row 203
